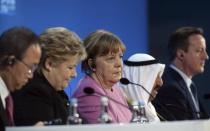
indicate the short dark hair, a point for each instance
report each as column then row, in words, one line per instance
column 180, row 40
column 14, row 42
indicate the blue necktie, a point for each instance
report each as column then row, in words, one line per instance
column 195, row 101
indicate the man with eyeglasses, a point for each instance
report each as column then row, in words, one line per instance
column 20, row 52
column 31, row 68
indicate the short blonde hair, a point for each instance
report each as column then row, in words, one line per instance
column 58, row 44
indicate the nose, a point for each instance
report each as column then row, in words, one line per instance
column 206, row 55
column 159, row 81
column 118, row 62
column 73, row 73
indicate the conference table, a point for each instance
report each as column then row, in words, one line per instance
column 200, row 125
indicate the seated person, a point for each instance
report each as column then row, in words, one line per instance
column 187, row 54
column 144, row 70
column 20, row 52
column 39, row 100
column 103, row 69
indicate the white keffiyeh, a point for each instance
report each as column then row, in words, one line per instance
column 144, row 75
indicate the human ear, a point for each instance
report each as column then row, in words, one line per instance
column 11, row 60
column 91, row 64
column 48, row 64
column 180, row 54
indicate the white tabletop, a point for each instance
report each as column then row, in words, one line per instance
column 202, row 125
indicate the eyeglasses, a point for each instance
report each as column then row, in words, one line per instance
column 31, row 69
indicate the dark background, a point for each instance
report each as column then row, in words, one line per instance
column 165, row 16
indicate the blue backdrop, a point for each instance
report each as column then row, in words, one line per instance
column 125, row 18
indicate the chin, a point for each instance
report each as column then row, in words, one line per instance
column 64, row 86
column 114, row 80
column 19, row 87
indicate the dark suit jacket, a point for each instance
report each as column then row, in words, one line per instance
column 39, row 101
column 173, row 100
column 3, row 117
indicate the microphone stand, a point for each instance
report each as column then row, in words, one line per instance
column 125, row 81
column 91, row 91
column 143, row 89
column 104, row 117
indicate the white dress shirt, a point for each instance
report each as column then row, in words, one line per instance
column 4, row 92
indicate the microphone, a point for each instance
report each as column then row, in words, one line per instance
column 91, row 91
column 125, row 81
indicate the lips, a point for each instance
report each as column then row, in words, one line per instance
column 117, row 72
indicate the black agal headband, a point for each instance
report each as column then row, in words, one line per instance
column 140, row 63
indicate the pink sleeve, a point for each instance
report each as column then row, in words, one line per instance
column 89, row 108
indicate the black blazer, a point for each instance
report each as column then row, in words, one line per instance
column 173, row 100
column 3, row 117
column 39, row 101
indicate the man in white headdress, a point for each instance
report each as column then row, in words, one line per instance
column 144, row 70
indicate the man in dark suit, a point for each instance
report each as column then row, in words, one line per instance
column 178, row 95
column 19, row 53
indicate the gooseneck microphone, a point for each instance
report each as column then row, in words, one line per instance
column 104, row 117
column 125, row 81
column 91, row 91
